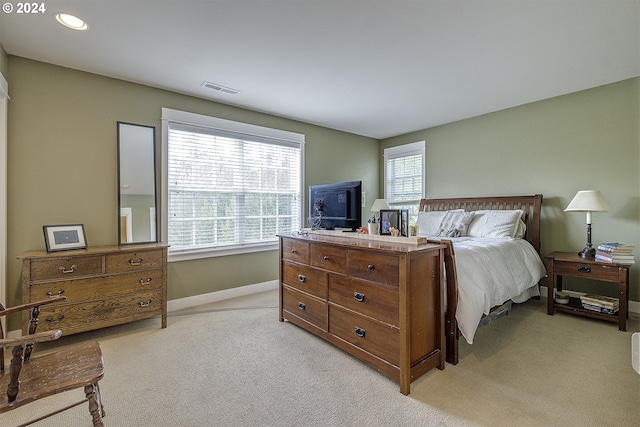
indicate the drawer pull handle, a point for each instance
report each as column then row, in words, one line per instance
column 358, row 296
column 51, row 320
column 302, row 278
column 584, row 269
column 57, row 294
column 144, row 282
column 301, row 306
column 371, row 267
column 136, row 262
column 293, row 251
column 65, row 271
column 144, row 304
column 326, row 258
column 360, row 332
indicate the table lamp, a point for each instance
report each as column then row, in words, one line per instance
column 378, row 205
column 588, row 201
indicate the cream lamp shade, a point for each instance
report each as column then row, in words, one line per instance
column 588, row 201
column 378, row 205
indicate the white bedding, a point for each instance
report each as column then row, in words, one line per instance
column 491, row 272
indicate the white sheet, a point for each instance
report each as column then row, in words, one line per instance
column 491, row 272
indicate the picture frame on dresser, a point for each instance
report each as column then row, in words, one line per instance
column 64, row 237
column 389, row 218
column 404, row 222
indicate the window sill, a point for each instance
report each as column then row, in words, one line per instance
column 212, row 253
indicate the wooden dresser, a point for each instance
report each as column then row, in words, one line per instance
column 381, row 302
column 104, row 286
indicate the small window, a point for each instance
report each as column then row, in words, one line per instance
column 404, row 171
column 230, row 186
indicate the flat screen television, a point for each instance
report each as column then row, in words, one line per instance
column 337, row 205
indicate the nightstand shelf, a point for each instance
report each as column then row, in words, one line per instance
column 561, row 264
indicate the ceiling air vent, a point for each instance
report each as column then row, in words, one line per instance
column 220, row 88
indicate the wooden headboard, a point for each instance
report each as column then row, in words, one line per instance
column 531, row 205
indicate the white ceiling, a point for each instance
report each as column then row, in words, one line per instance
column 370, row 67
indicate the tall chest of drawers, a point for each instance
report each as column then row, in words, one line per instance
column 381, row 302
column 104, row 286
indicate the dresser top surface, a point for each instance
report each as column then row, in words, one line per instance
column 95, row 250
column 359, row 243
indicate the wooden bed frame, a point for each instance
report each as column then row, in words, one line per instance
column 530, row 205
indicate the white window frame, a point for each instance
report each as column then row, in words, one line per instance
column 405, row 150
column 176, row 116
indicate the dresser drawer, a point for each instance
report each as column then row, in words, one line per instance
column 374, row 267
column 306, row 279
column 98, row 287
column 376, row 338
column 132, row 261
column 381, row 303
column 63, row 268
column 83, row 316
column 305, row 307
column 590, row 271
column 329, row 258
column 295, row 251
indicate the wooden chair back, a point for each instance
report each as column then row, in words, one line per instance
column 30, row 379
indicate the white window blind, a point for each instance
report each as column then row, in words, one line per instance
column 228, row 190
column 405, row 177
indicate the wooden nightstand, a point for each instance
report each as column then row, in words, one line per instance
column 571, row 264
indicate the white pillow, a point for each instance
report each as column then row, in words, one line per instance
column 495, row 223
column 455, row 224
column 429, row 222
column 521, row 230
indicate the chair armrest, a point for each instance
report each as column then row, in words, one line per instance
column 30, row 305
column 30, row 339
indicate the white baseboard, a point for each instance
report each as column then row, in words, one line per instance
column 188, row 302
column 634, row 306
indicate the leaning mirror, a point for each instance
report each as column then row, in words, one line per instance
column 136, row 183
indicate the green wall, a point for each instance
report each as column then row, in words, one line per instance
column 581, row 141
column 62, row 163
column 62, row 149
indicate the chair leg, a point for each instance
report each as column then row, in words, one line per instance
column 92, row 392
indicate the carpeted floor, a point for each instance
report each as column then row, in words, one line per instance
column 232, row 363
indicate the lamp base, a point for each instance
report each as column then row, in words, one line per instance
column 587, row 252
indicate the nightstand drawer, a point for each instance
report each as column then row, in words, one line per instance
column 608, row 273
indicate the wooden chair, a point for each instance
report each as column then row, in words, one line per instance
column 30, row 379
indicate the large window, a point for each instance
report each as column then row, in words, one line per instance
column 404, row 173
column 230, row 187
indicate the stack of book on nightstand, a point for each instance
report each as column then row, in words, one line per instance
column 600, row 304
column 615, row 252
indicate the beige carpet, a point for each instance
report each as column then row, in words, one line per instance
column 233, row 364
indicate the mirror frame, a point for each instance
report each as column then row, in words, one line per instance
column 120, row 126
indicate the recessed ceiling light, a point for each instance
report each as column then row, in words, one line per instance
column 71, row 21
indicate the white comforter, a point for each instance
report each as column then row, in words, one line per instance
column 490, row 273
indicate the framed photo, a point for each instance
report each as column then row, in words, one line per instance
column 389, row 218
column 404, row 222
column 64, row 237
